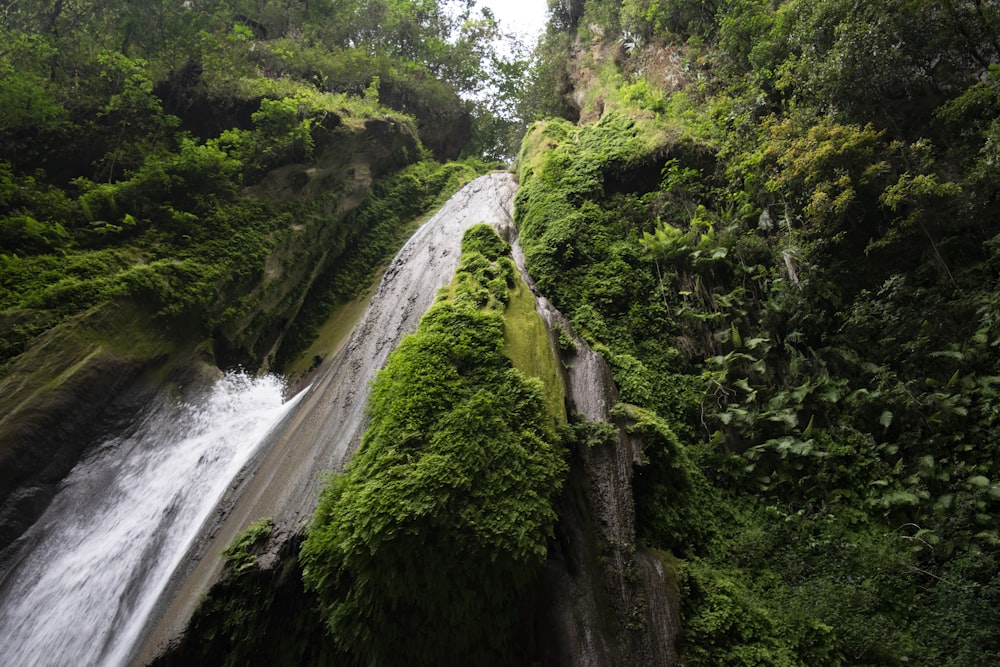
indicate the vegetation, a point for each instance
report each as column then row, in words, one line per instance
column 201, row 183
column 240, row 555
column 777, row 226
column 445, row 510
column 255, row 614
column 141, row 148
column 774, row 218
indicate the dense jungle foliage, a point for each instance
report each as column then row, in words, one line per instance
column 423, row 547
column 776, row 219
column 778, row 222
column 142, row 147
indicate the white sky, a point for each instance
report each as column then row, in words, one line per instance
column 526, row 17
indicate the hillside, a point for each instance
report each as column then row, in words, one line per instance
column 197, row 187
column 777, row 222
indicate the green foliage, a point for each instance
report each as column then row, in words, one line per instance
column 659, row 19
column 23, row 201
column 445, row 509
column 370, row 236
column 27, row 98
column 239, row 555
column 283, row 133
column 482, row 239
column 676, row 508
column 725, row 625
column 806, row 311
column 129, row 133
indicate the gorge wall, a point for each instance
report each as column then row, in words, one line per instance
column 597, row 600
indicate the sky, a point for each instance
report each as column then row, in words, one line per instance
column 526, row 17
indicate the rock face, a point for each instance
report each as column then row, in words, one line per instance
column 605, row 602
column 444, row 128
column 343, row 174
column 599, row 601
column 74, row 383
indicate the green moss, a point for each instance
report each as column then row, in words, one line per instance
column 367, row 238
column 446, row 508
column 333, row 332
column 239, row 555
column 526, row 342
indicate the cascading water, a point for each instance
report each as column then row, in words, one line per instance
column 114, row 569
column 93, row 566
column 285, row 479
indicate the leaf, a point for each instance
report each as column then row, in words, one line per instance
column 988, row 536
column 944, row 502
column 831, row 394
column 979, row 481
column 786, row 417
column 948, row 354
column 899, row 498
column 885, row 419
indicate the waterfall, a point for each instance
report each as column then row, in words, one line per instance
column 284, row 480
column 114, row 569
column 132, row 540
column 94, row 564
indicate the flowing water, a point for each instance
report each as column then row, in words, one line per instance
column 135, row 517
column 284, row 480
column 97, row 560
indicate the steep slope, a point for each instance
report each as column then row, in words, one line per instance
column 778, row 230
column 325, row 429
column 456, row 484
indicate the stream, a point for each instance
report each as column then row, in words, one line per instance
column 93, row 566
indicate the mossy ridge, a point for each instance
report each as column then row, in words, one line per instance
column 446, row 508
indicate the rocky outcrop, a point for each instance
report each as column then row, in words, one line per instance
column 603, row 601
column 444, row 125
column 350, row 161
column 598, row 601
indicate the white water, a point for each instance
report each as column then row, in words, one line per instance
column 94, row 565
column 284, row 476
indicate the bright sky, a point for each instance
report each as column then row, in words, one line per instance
column 526, row 17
